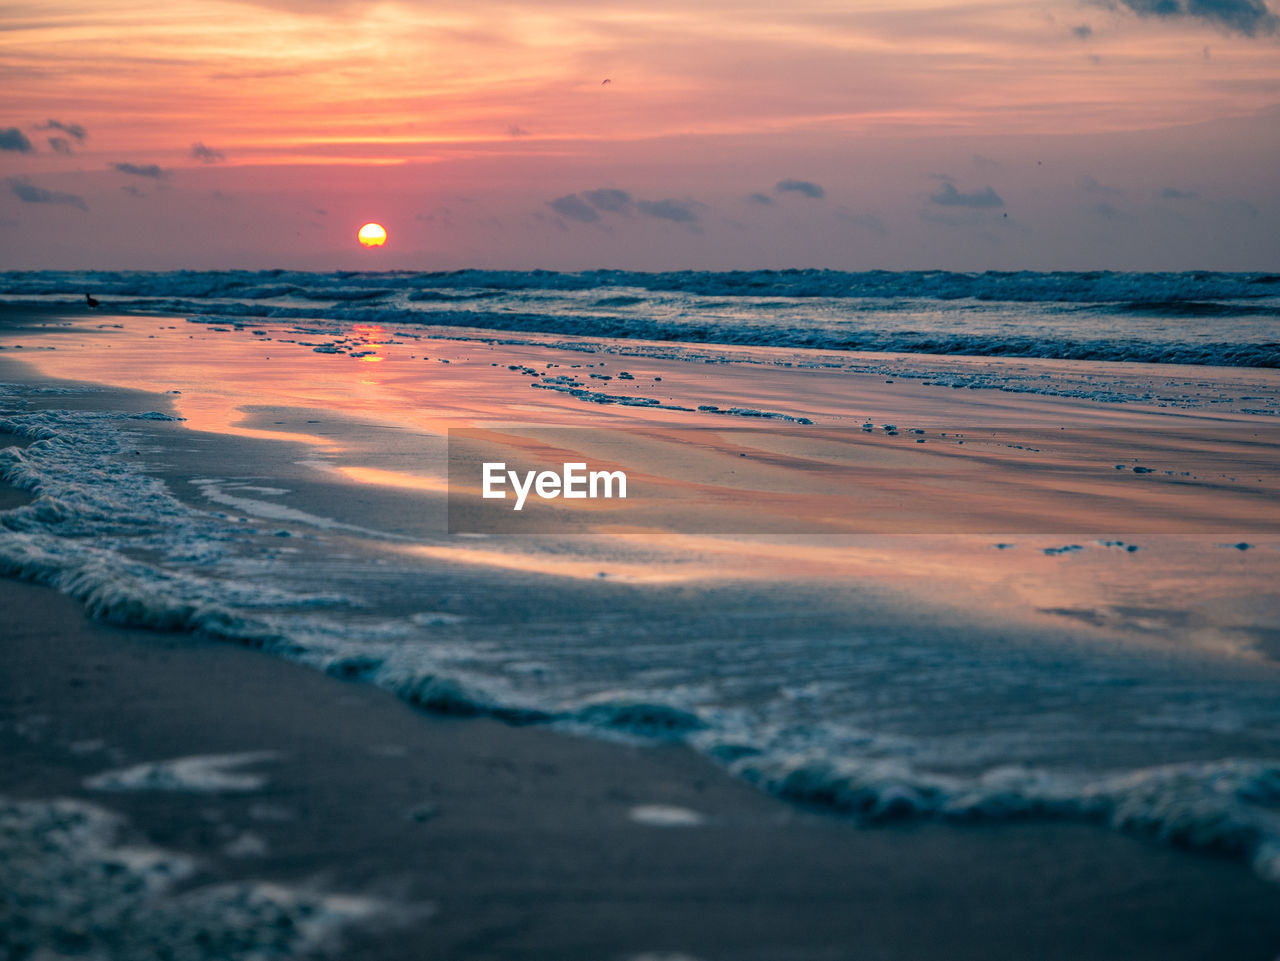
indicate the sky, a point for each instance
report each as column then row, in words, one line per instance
column 566, row 134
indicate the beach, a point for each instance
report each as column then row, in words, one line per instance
column 1020, row 702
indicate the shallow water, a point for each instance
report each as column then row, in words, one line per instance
column 953, row 676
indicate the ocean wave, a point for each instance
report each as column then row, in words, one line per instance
column 1132, row 350
column 1100, row 315
column 1026, row 286
column 1229, row 806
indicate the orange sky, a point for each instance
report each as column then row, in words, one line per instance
column 501, row 105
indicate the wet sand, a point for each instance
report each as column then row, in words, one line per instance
column 359, row 437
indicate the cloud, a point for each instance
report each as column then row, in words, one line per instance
column 140, row 170
column 1093, row 186
column 31, row 194
column 609, row 199
column 11, row 138
column 255, row 75
column 1238, row 208
column 614, row 201
column 679, row 211
column 574, row 208
column 515, row 130
column 71, row 129
column 60, row 145
column 804, row 187
column 764, row 200
column 129, row 190
column 1173, row 193
column 983, row 162
column 1083, row 31
column 205, row 154
column 1249, row 17
column 949, row 196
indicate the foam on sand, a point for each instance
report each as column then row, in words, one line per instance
column 665, row 816
column 77, row 883
column 206, row 774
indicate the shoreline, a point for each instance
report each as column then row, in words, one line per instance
column 524, row 843
column 487, row 840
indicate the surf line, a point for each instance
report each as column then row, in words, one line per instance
column 574, row 482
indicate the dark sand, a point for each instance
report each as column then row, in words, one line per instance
column 527, row 849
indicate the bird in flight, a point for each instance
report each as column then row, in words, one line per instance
column 90, row 301
column 604, row 81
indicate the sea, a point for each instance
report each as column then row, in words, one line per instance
column 1192, row 317
column 825, row 695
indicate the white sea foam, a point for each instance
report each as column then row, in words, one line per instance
column 246, row 844
column 215, row 490
column 72, row 876
column 665, row 816
column 1231, row 806
column 201, row 773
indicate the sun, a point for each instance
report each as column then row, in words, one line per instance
column 372, row 235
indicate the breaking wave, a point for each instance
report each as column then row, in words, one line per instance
column 1192, row 317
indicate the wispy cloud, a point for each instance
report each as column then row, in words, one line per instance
column 74, row 130
column 614, row 201
column 574, row 207
column 60, row 145
column 1094, row 186
column 29, row 193
column 140, row 170
column 1108, row 211
column 764, row 200
column 1249, row 17
column 949, row 196
column 515, row 130
column 11, row 138
column 206, row 154
column 1173, row 193
column 254, row 75
column 806, row 188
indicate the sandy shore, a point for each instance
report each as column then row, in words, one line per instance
column 472, row 839
column 520, row 843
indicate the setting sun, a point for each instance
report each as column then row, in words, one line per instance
column 372, row 235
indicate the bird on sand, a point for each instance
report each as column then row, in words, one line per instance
column 90, row 301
